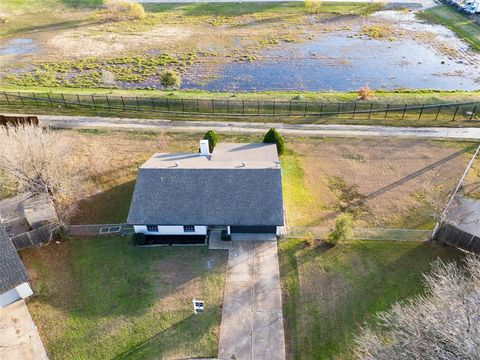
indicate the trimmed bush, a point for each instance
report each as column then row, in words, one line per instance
column 212, row 138
column 138, row 239
column 343, row 230
column 170, row 79
column 273, row 137
column 123, row 10
column 364, row 92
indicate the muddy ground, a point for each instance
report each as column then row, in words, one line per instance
column 267, row 50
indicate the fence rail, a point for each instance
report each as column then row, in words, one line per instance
column 360, row 110
column 366, row 233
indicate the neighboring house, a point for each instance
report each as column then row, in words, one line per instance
column 238, row 188
column 13, row 276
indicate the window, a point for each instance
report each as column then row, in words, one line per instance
column 152, row 228
column 188, row 228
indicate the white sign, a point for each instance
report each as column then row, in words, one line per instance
column 198, row 306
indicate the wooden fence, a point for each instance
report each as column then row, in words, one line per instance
column 360, row 110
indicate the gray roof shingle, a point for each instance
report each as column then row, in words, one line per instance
column 12, row 271
column 224, row 192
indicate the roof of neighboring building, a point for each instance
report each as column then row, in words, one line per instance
column 238, row 184
column 12, row 271
column 39, row 210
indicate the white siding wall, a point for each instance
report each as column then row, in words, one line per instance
column 22, row 291
column 170, row 230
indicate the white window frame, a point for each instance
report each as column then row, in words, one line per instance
column 188, row 228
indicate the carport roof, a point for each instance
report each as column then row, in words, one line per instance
column 12, row 271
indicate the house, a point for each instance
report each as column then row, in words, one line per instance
column 13, row 276
column 238, row 188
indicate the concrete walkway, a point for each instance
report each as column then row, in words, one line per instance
column 79, row 122
column 19, row 337
column 252, row 320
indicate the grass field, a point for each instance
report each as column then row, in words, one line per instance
column 329, row 293
column 103, row 298
column 465, row 28
column 401, row 183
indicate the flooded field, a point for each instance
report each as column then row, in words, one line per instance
column 418, row 56
column 384, row 50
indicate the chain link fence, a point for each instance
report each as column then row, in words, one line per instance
column 360, row 110
column 365, row 233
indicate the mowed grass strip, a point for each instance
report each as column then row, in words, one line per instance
column 329, row 293
column 465, row 28
column 102, row 298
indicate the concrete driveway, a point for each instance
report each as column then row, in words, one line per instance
column 19, row 337
column 252, row 319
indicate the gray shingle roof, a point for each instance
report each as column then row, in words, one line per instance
column 12, row 271
column 239, row 184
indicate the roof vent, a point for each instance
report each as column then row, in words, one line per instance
column 177, row 164
column 244, row 164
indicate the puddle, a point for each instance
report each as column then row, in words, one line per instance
column 344, row 61
column 19, row 46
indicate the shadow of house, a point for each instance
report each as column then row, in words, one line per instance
column 107, row 207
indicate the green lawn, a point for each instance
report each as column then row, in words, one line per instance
column 102, row 298
column 465, row 28
column 329, row 293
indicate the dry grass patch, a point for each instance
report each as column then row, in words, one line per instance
column 385, row 182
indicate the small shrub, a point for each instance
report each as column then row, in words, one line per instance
column 123, row 10
column 313, row 6
column 138, row 239
column 273, row 137
column 364, row 92
column 170, row 79
column 309, row 239
column 343, row 230
column 212, row 138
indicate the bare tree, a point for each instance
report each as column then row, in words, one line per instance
column 442, row 324
column 35, row 161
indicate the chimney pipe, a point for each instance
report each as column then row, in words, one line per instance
column 204, row 148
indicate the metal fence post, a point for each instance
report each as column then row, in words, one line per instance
column 153, row 104
column 108, row 101
column 6, row 97
column 338, row 109
column 228, row 107
column 198, row 107
column 183, row 106
column 370, row 111
column 321, row 108
column 305, row 110
column 123, row 102
column 473, row 112
column 421, row 112
column 438, row 112
column 64, row 101
column 168, row 104
column 404, row 111
column 258, row 107
column 94, row 103
column 78, row 99
column 354, row 110
column 290, row 108
column 386, row 111
column 273, row 107
column 243, row 106
column 35, row 98
column 21, row 98
column 456, row 110
column 49, row 99
column 213, row 107
column 138, row 103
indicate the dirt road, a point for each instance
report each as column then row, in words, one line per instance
column 84, row 122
